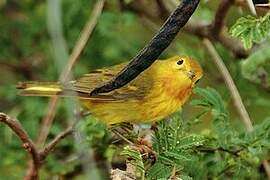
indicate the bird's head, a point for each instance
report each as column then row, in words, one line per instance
column 184, row 69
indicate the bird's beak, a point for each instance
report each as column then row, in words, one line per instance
column 191, row 74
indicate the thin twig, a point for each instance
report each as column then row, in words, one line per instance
column 122, row 137
column 16, row 126
column 251, row 7
column 28, row 145
column 234, row 92
column 220, row 16
column 266, row 168
column 263, row 6
column 47, row 121
column 37, row 158
column 230, row 84
column 199, row 28
column 213, row 31
column 50, row 146
column 84, row 37
column 153, row 49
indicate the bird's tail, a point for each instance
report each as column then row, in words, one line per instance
column 33, row 88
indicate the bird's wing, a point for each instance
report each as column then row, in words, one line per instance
column 136, row 89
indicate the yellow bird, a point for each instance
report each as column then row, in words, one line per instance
column 156, row 93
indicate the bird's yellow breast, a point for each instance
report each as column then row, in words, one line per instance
column 166, row 96
column 166, row 86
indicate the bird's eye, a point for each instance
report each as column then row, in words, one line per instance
column 180, row 62
column 197, row 81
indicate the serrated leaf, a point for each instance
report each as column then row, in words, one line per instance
column 190, row 141
column 255, row 63
column 176, row 156
column 135, row 159
column 211, row 97
column 251, row 29
column 158, row 170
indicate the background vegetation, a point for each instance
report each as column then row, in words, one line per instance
column 206, row 140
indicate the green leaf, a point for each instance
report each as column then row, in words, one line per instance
column 190, row 141
column 176, row 156
column 134, row 157
column 253, row 67
column 211, row 99
column 185, row 177
column 251, row 29
column 158, row 171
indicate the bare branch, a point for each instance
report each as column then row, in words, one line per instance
column 220, row 16
column 251, row 7
column 37, row 158
column 163, row 13
column 84, row 37
column 230, row 84
column 50, row 146
column 152, row 50
column 211, row 31
column 234, row 92
column 217, row 26
column 46, row 122
column 263, row 6
column 27, row 143
column 22, row 134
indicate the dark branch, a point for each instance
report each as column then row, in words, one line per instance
column 152, row 51
column 212, row 31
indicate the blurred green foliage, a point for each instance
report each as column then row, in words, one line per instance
column 251, row 29
column 205, row 141
column 221, row 151
column 255, row 30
